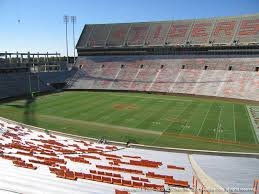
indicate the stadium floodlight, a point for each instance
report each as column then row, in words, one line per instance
column 73, row 20
column 66, row 21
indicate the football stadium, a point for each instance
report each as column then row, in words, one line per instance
column 145, row 107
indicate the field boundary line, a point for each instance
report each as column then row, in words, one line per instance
column 204, row 120
column 252, row 126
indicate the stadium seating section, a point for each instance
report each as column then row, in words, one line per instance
column 19, row 84
column 222, row 77
column 243, row 30
column 73, row 159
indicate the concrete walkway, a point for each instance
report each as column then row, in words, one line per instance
column 207, row 181
column 180, row 191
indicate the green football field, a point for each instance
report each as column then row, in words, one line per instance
column 159, row 120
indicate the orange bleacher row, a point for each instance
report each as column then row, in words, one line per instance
column 175, row 167
column 78, row 159
column 144, row 163
column 19, row 162
column 168, row 179
column 132, row 171
column 67, row 174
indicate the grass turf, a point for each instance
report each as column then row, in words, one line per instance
column 172, row 121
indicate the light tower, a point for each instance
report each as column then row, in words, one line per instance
column 66, row 20
column 73, row 20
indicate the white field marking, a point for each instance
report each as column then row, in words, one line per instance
column 149, row 115
column 234, row 119
column 251, row 126
column 186, row 125
column 170, row 124
column 204, row 120
column 148, row 97
column 254, row 109
column 154, row 80
column 176, row 118
column 219, row 124
column 110, row 86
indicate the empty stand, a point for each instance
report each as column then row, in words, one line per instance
column 85, row 35
column 223, row 77
column 239, row 30
column 137, row 34
column 118, row 34
column 224, row 30
column 99, row 35
column 200, row 32
column 248, row 31
column 179, row 32
column 157, row 33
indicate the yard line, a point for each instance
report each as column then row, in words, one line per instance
column 219, row 123
column 169, row 125
column 204, row 121
column 149, row 115
column 177, row 117
column 188, row 122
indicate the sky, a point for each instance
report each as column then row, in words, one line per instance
column 37, row 25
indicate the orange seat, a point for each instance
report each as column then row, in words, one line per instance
column 121, row 192
column 97, row 178
column 100, row 173
column 127, row 183
column 107, row 180
column 88, row 176
column 117, row 181
column 137, row 184
column 79, row 175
